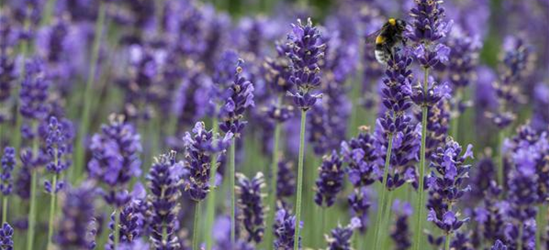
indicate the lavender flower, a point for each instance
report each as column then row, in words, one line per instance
column 448, row 223
column 286, row 179
column 6, row 235
column 400, row 233
column 490, row 217
column 330, row 180
column 8, row 164
column 428, row 27
column 56, row 147
column 200, row 147
column 163, row 184
column 284, row 229
column 360, row 204
column 130, row 225
column 251, row 205
column 278, row 70
column 115, row 158
column 239, row 97
column 340, row 238
column 306, row 49
column 78, row 212
column 360, row 155
column 34, row 91
column 23, row 180
column 462, row 241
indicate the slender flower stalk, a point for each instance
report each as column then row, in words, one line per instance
column 6, row 180
column 232, row 156
column 210, row 201
column 88, row 95
column 306, row 49
column 427, row 28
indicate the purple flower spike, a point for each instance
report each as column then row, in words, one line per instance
column 286, row 179
column 360, row 204
column 8, row 164
column 360, row 155
column 429, row 23
column 239, row 97
column 115, row 158
column 57, row 146
column 34, row 91
column 131, row 226
column 306, row 49
column 164, row 188
column 330, row 180
column 340, row 238
column 200, row 146
column 284, row 229
column 400, row 233
column 448, row 223
column 6, row 237
column 251, row 205
column 74, row 230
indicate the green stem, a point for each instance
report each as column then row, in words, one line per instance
column 519, row 239
column 116, row 228
column 541, row 222
column 4, row 209
column 232, row 186
column 88, row 94
column 52, row 211
column 34, row 180
column 500, row 170
column 274, row 180
column 48, row 10
column 419, row 205
column 381, row 204
column 195, row 225
column 299, row 192
column 210, row 200
column 455, row 120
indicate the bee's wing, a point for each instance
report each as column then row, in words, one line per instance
column 371, row 38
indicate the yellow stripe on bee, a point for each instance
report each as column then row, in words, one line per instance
column 380, row 39
column 392, row 21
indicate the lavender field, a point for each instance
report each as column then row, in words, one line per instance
column 274, row 125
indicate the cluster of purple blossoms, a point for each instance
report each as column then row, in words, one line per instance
column 285, row 187
column 78, row 213
column 250, row 202
column 164, row 186
column 360, row 154
column 200, row 147
column 490, row 216
column 446, row 185
column 8, row 164
column 400, row 233
column 34, row 91
column 115, row 158
column 499, row 246
column 130, row 226
column 6, row 237
column 284, row 230
column 330, row 180
column 239, row 97
column 427, row 29
column 306, row 49
column 359, row 201
column 8, row 73
column 57, row 146
column 515, row 68
column 340, row 238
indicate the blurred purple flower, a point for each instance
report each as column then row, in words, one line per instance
column 250, row 202
column 286, row 179
column 6, row 237
column 8, row 164
column 34, row 91
column 57, row 146
column 340, row 238
column 115, row 158
column 359, row 201
column 400, row 233
column 360, row 155
column 330, row 180
column 284, row 228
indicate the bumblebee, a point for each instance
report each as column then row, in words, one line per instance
column 386, row 38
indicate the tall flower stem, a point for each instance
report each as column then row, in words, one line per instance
column 419, row 204
column 210, row 202
column 88, row 95
column 34, row 180
column 500, row 173
column 116, row 228
column 455, row 120
column 299, row 192
column 541, row 222
column 4, row 209
column 195, row 225
column 383, row 193
column 52, row 210
column 274, row 180
column 48, row 11
column 232, row 154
